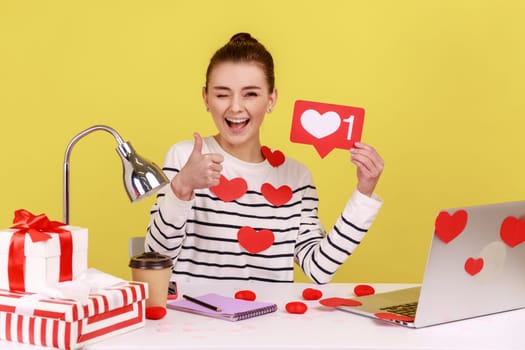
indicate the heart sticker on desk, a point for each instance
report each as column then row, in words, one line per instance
column 448, row 227
column 229, row 190
column 473, row 266
column 275, row 158
column 276, row 196
column 364, row 289
column 512, row 231
column 255, row 241
column 335, row 302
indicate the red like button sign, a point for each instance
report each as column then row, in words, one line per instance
column 326, row 126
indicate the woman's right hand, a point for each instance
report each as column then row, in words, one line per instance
column 200, row 171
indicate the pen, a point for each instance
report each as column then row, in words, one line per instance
column 201, row 303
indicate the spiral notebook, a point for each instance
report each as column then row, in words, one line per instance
column 231, row 309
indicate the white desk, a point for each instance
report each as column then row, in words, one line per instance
column 318, row 328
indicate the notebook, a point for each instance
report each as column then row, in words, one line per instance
column 232, row 309
column 475, row 267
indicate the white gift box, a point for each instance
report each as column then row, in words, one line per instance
column 42, row 259
column 69, row 324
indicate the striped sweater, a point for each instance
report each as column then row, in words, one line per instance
column 203, row 235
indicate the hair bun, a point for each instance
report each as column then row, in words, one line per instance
column 240, row 37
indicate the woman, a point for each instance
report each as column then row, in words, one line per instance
column 238, row 210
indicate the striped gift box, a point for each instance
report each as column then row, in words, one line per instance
column 68, row 324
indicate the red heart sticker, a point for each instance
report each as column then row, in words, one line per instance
column 312, row 294
column 245, row 295
column 363, row 289
column 229, row 190
column 255, row 241
column 473, row 266
column 448, row 227
column 335, row 302
column 275, row 158
column 296, row 307
column 512, row 231
column 388, row 316
column 276, row 196
column 155, row 312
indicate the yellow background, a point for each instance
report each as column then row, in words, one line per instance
column 442, row 83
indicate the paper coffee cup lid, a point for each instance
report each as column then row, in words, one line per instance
column 150, row 260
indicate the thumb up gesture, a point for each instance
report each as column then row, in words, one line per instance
column 200, row 171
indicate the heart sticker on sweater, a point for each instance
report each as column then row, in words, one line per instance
column 275, row 158
column 512, row 231
column 229, row 190
column 448, row 227
column 473, row 266
column 255, row 241
column 276, row 196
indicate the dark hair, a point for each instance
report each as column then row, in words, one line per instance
column 242, row 47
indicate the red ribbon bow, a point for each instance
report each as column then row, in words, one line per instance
column 38, row 228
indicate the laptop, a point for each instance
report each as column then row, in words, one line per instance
column 475, row 267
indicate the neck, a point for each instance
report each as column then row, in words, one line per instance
column 249, row 152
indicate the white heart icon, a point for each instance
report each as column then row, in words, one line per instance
column 320, row 125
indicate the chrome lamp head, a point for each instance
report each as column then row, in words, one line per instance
column 141, row 177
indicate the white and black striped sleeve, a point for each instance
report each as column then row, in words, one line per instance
column 321, row 255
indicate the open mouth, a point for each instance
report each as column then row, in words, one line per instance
column 237, row 123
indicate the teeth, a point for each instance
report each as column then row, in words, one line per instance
column 236, row 121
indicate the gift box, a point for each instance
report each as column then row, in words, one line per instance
column 69, row 324
column 37, row 253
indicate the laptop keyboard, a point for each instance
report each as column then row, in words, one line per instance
column 408, row 309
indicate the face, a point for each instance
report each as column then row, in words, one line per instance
column 238, row 99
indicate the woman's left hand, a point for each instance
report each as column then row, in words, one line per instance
column 369, row 167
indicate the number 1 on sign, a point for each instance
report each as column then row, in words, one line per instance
column 350, row 121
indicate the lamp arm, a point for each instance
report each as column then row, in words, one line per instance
column 67, row 155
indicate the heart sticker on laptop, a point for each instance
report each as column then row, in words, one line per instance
column 473, row 266
column 388, row 316
column 448, row 227
column 512, row 231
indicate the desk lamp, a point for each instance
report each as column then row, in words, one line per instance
column 141, row 177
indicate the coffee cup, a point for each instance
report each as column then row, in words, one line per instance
column 155, row 269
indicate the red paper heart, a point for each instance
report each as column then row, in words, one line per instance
column 255, row 241
column 296, row 307
column 276, row 196
column 335, row 302
column 448, row 227
column 155, row 312
column 245, row 295
column 229, row 190
column 512, row 231
column 363, row 289
column 388, row 316
column 473, row 266
column 275, row 158
column 312, row 294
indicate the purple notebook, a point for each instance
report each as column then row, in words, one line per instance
column 231, row 309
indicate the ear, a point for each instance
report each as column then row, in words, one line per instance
column 272, row 100
column 205, row 97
